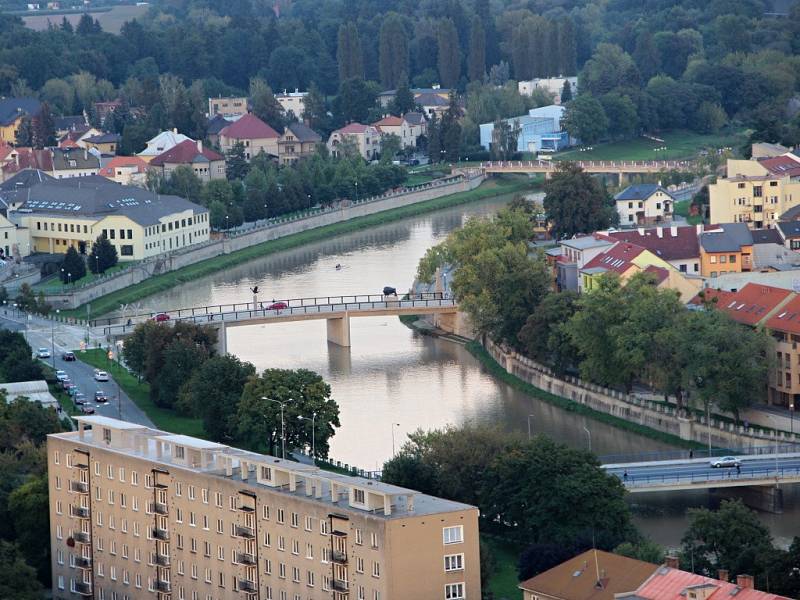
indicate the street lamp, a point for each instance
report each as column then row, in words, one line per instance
column 393, row 426
column 313, row 420
column 356, row 184
column 529, row 427
column 283, row 424
column 589, row 434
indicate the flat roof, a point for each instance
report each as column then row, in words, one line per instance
column 109, row 422
column 191, row 442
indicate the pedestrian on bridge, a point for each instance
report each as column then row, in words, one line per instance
column 738, row 470
column 625, row 475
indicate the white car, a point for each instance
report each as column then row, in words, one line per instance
column 61, row 375
column 43, row 353
column 100, row 376
column 725, row 461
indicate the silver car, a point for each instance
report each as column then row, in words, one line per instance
column 725, row 462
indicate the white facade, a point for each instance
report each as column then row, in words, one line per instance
column 292, row 101
column 553, row 85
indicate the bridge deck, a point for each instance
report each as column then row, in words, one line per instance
column 590, row 166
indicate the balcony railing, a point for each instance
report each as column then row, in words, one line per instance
column 84, row 589
column 161, row 534
column 82, row 537
column 339, row 557
column 245, row 532
column 340, row 585
column 163, row 586
column 78, row 465
column 245, row 558
column 160, row 508
column 81, row 512
column 246, row 585
column 80, row 487
column 246, row 508
column 162, row 560
column 82, row 562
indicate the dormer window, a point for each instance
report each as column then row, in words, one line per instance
column 358, row 496
column 266, row 473
column 180, row 452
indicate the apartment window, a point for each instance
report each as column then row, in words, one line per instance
column 453, row 535
column 208, row 575
column 359, row 565
column 220, row 526
column 309, row 524
column 757, row 191
column 232, row 502
column 713, row 259
column 222, row 580
column 281, row 516
column 194, row 572
column 179, row 515
column 295, row 547
column 454, row 591
column 113, row 234
column 454, row 562
column 373, row 539
column 192, row 522
column 191, row 492
column 207, row 549
column 359, row 496
column 295, row 520
column 723, row 259
column 282, row 570
column 130, row 234
column 359, row 536
column 265, row 512
column 204, row 495
column 205, row 522
column 732, row 258
column 135, row 503
column 268, row 567
column 281, row 543
column 323, row 527
column 683, row 268
column 218, row 499
column 126, row 250
column 295, row 574
column 267, row 539
column 310, row 578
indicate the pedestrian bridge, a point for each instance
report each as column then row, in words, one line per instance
column 336, row 310
column 622, row 168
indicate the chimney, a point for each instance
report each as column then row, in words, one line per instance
column 174, row 130
column 660, row 232
column 85, row 154
column 673, row 230
column 640, row 230
column 722, row 575
column 699, row 228
column 745, row 581
column 200, row 146
column 671, row 561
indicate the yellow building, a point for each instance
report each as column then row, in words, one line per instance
column 141, row 513
column 756, row 192
column 60, row 214
column 12, row 112
column 105, row 143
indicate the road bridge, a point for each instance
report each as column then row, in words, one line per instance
column 336, row 310
column 622, row 168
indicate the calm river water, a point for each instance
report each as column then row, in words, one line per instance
column 393, row 380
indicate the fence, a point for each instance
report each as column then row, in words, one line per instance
column 746, row 477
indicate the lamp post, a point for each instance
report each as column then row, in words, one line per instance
column 356, row 184
column 69, row 278
column 529, row 427
column 283, row 424
column 53, row 341
column 393, row 426
column 313, row 420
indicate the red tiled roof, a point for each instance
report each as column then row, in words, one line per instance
column 786, row 164
column 676, row 243
column 787, row 318
column 390, row 121
column 185, row 153
column 123, row 161
column 753, row 303
column 671, row 584
column 67, row 142
column 249, row 127
column 617, row 258
column 30, row 159
column 661, row 274
column 709, row 294
column 352, row 128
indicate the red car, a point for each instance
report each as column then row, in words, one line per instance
column 161, row 317
column 277, row 306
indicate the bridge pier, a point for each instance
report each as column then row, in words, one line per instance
column 221, row 347
column 339, row 330
column 766, row 498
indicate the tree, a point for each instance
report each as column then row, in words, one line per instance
column 17, row 578
column 448, row 53
column 16, row 363
column 29, row 507
column 623, row 121
column 185, row 183
column 390, row 147
column 349, row 55
column 435, row 140
column 403, row 101
column 566, row 92
column 585, row 119
column 181, row 358
column 393, row 51
column 264, row 105
column 646, row 56
column 256, row 189
column 504, row 138
column 451, row 139
column 540, row 557
column 236, row 166
column 103, row 255
column 315, row 112
column 544, row 338
column 355, row 101
column 709, row 118
column 212, row 393
column 24, row 135
column 258, row 419
column 476, row 61
column 567, row 47
column 645, row 550
column 575, row 202
column 43, row 128
column 610, row 67
column 73, row 266
column 499, row 74
column 87, row 26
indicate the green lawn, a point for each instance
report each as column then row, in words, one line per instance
column 679, row 145
column 496, row 186
column 503, row 582
column 54, row 285
column 418, row 179
column 682, row 209
column 139, row 392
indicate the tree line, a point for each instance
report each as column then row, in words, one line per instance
column 236, row 404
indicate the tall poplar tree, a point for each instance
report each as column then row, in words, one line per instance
column 349, row 54
column 449, row 56
column 567, row 47
column 476, row 63
column 392, row 51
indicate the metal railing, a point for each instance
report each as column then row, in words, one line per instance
column 245, row 558
column 162, row 560
column 698, row 453
column 79, row 511
column 84, row 589
column 244, row 531
column 550, row 165
column 246, row 585
column 339, row 557
column 83, row 562
column 709, row 479
column 161, row 534
column 80, row 487
column 82, row 537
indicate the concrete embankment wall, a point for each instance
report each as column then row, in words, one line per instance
column 256, row 235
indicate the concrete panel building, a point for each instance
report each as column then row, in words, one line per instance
column 137, row 512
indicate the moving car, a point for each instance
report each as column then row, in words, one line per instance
column 43, row 353
column 100, row 397
column 65, row 382
column 68, row 356
column 73, row 389
column 161, row 317
column 100, row 376
column 79, row 398
column 725, row 461
column 277, row 306
column 61, row 375
column 87, row 410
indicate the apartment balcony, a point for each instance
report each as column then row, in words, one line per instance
column 81, row 512
column 160, row 508
column 79, row 487
column 162, row 560
column 84, row 466
column 84, row 589
column 247, row 585
column 163, row 586
column 82, row 537
column 339, row 557
column 246, row 532
column 161, row 534
column 340, row 585
column 82, row 562
column 248, row 509
column 340, row 595
column 245, row 558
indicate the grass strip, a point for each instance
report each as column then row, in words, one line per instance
column 139, row 393
column 160, row 283
column 479, row 352
column 503, row 582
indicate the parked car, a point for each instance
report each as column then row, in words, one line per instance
column 161, row 317
column 43, row 353
column 100, row 397
column 87, row 410
column 68, row 356
column 100, row 376
column 73, row 389
column 61, row 375
column 64, row 383
column 277, row 306
column 79, row 398
column 725, row 461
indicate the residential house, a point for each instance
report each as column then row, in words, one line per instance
column 76, row 138
column 105, row 143
column 20, row 159
column 407, row 128
column 230, row 107
column 726, row 248
column 432, row 104
column 64, row 125
column 166, row 140
column 297, row 141
column 417, row 126
column 551, row 85
column 292, row 102
column 73, row 212
column 127, row 170
column 253, row 133
column 386, row 98
column 574, row 255
column 216, row 124
column 679, row 246
column 204, row 162
column 539, row 131
column 103, row 109
column 767, row 150
column 12, row 112
column 69, row 162
column 770, row 253
column 366, row 138
column 15, row 240
column 591, row 575
column 644, row 204
column 790, row 231
column 756, row 192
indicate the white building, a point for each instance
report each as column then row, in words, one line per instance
column 294, row 102
column 644, row 204
column 166, row 140
column 553, row 85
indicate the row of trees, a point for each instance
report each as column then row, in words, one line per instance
column 236, row 404
column 16, row 362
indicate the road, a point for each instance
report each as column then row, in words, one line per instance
column 700, row 470
column 68, row 337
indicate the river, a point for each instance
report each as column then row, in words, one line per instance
column 393, row 380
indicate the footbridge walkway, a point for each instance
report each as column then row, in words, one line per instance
column 622, row 168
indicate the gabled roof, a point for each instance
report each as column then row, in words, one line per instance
column 430, row 99
column 29, row 158
column 641, row 191
column 163, row 142
column 12, row 108
column 789, row 229
column 726, row 237
column 753, row 303
column 414, row 118
column 389, row 121
column 766, row 236
column 791, row 214
column 186, row 153
column 109, row 170
column 672, row 584
column 576, row 579
column 83, row 159
column 617, row 258
column 304, row 133
column 249, row 127
column 69, row 123
column 585, row 242
column 787, row 318
column 674, row 243
column 217, row 124
column 786, row 164
column 25, row 178
column 104, row 138
column 660, row 273
column 352, row 128
column 709, row 294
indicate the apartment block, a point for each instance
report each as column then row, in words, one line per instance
column 141, row 513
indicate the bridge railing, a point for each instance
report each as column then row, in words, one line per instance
column 550, row 165
column 728, row 475
column 607, row 459
column 263, row 304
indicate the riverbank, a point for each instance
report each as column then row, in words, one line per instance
column 159, row 283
